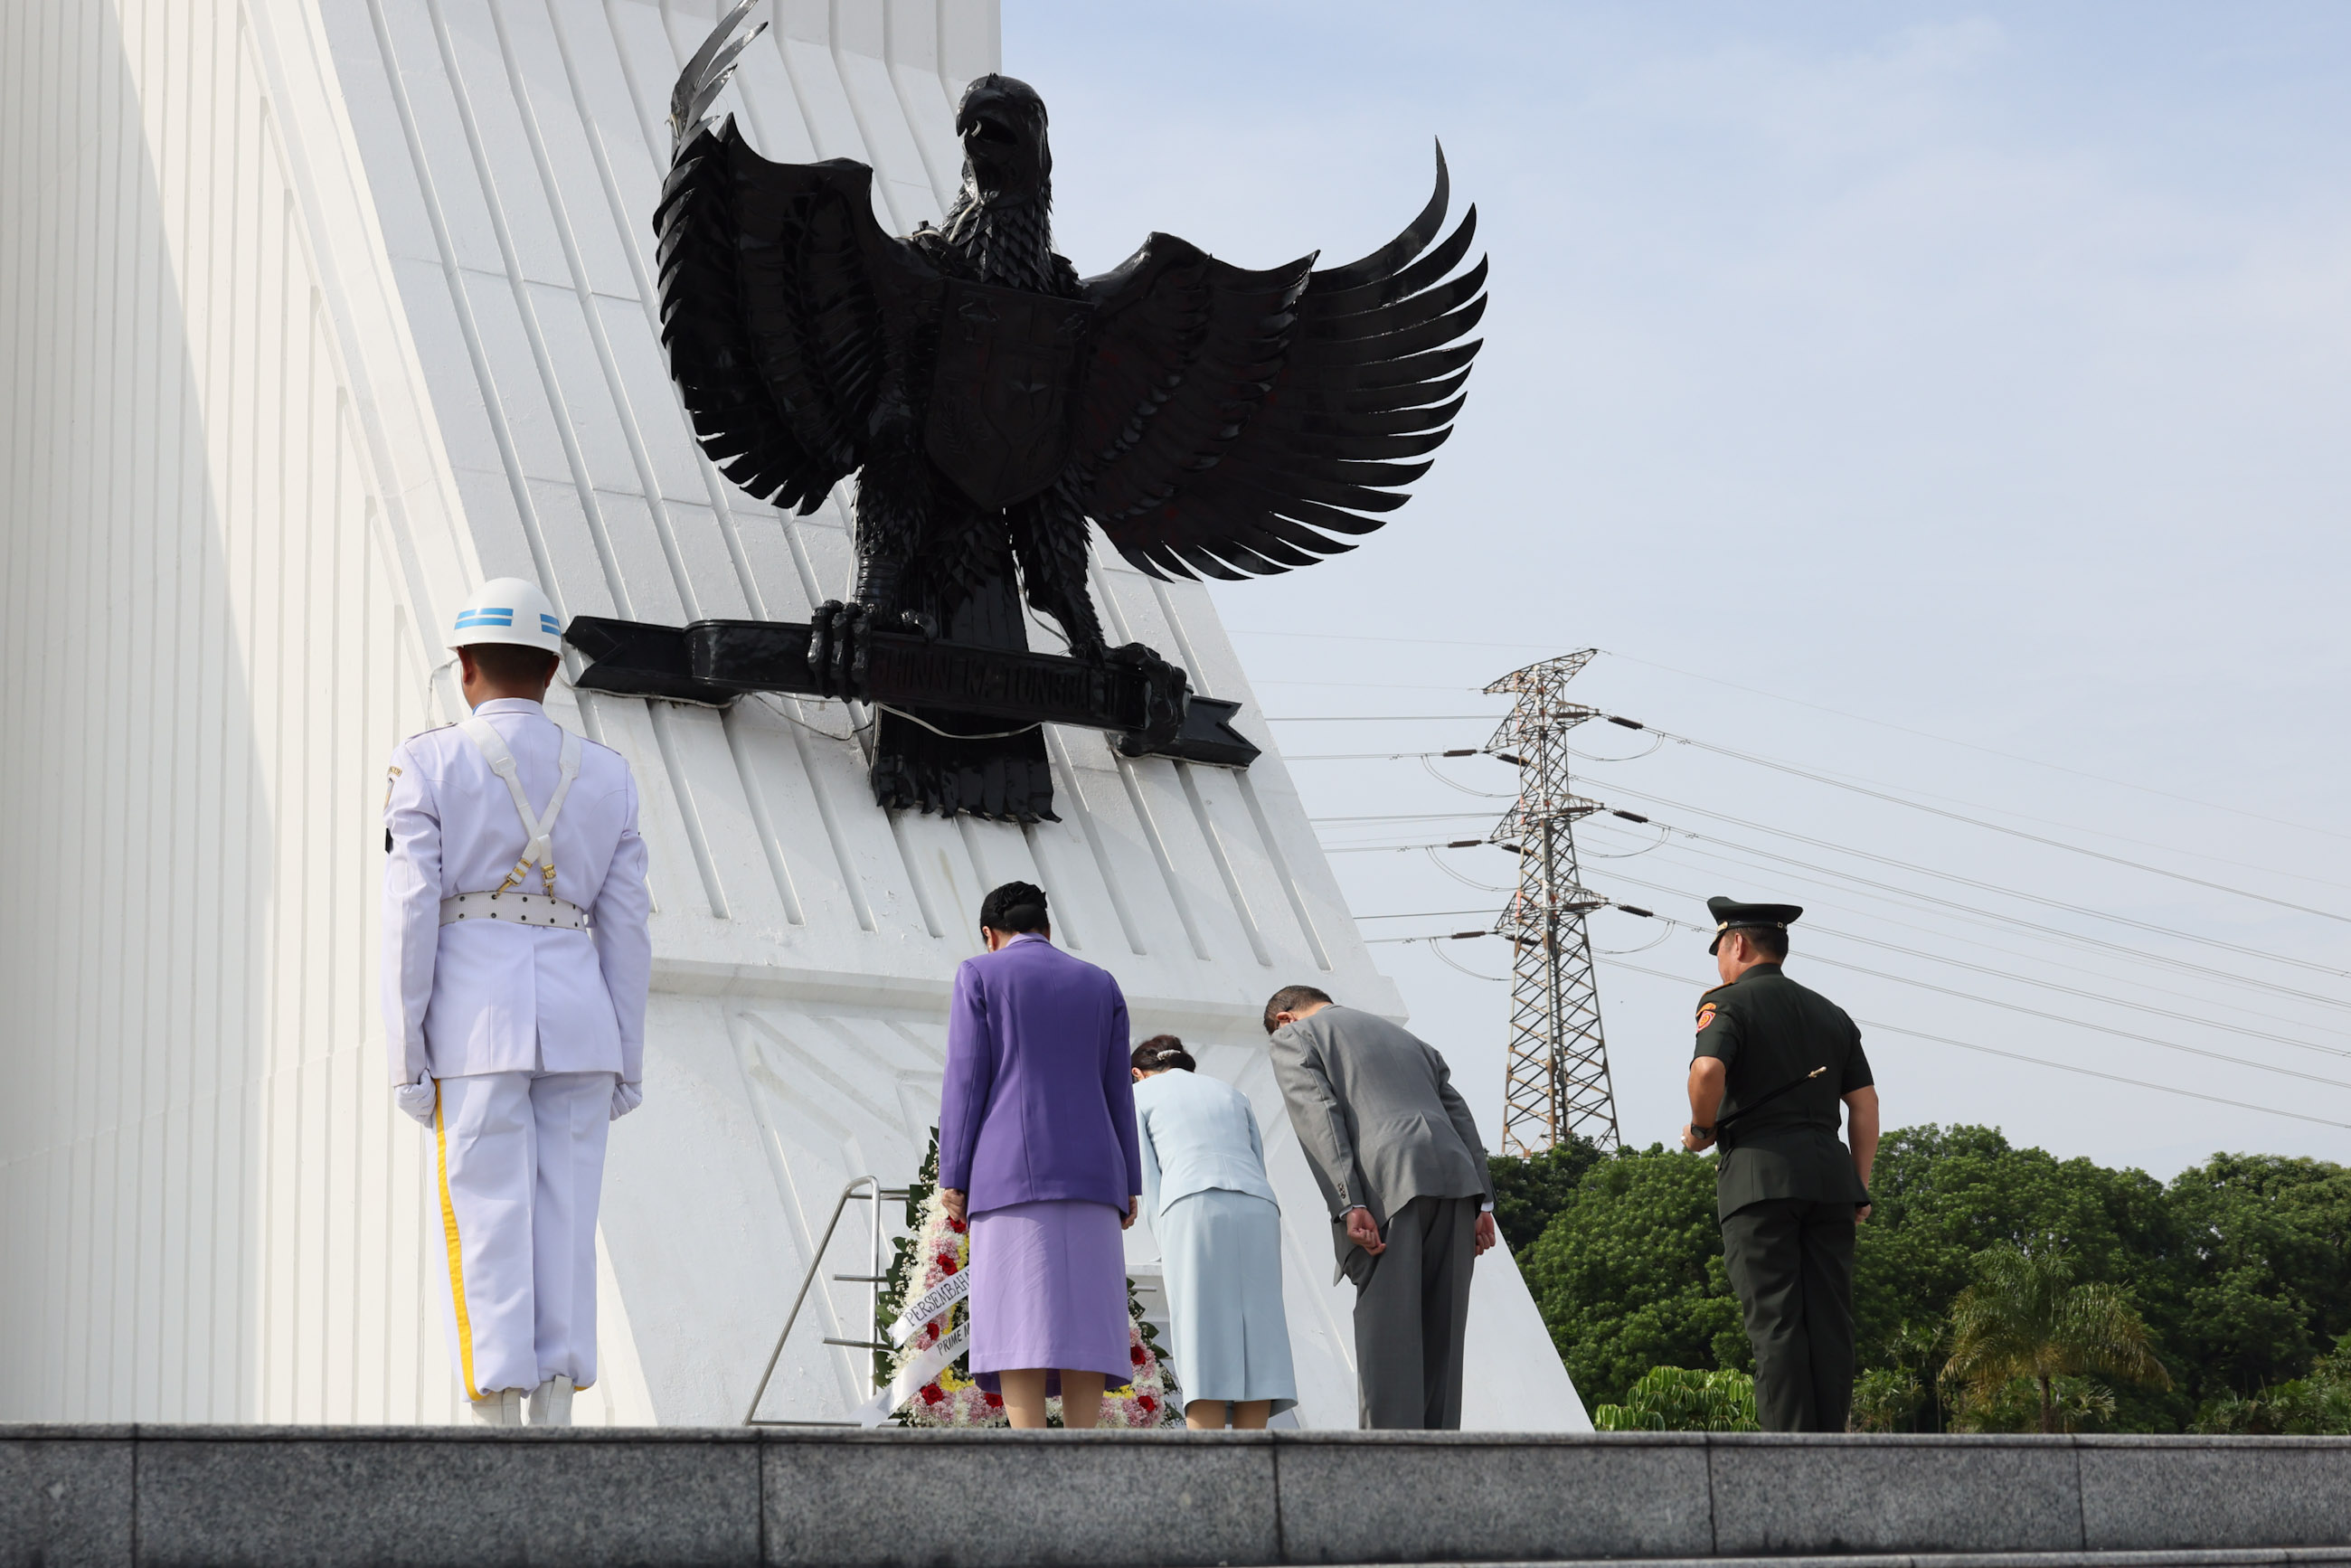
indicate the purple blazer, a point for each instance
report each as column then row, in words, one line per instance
column 1038, row 1102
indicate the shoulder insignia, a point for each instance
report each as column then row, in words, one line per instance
column 1705, row 1017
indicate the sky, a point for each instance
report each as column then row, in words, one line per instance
column 1948, row 403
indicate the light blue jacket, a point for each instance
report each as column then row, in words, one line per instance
column 1198, row 1132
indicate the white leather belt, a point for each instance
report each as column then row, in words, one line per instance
column 521, row 908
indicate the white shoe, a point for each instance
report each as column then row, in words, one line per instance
column 550, row 1402
column 502, row 1408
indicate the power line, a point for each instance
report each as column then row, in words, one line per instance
column 1911, row 897
column 2079, row 1023
column 1995, row 1002
column 1912, row 866
column 1978, row 822
column 1365, row 686
column 1917, row 800
column 1814, row 927
column 1988, row 750
column 1837, row 712
column 2057, row 1018
column 1981, row 885
column 1932, row 795
column 1406, row 642
column 2034, row 1060
column 1424, row 915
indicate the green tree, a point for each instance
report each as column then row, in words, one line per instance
column 1886, row 1399
column 2267, row 1269
column 1529, row 1190
column 2027, row 1316
column 1629, row 1273
column 1679, row 1399
column 2239, row 1269
column 2316, row 1406
column 1944, row 1195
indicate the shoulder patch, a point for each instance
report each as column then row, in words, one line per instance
column 1705, row 1016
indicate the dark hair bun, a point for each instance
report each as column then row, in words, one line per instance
column 1161, row 1051
column 1017, row 906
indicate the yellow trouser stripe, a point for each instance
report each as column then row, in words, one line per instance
column 456, row 1259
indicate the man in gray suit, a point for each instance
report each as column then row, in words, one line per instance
column 1400, row 1163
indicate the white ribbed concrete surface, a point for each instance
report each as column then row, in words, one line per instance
column 320, row 311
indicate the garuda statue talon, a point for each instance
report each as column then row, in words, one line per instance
column 1210, row 420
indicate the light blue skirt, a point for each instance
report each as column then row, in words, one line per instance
column 1228, row 1337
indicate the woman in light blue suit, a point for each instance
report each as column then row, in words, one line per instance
column 1220, row 1230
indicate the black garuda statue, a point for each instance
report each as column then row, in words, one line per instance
column 1209, row 419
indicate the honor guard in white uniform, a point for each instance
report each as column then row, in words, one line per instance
column 516, row 958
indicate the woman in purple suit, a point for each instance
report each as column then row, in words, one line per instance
column 1037, row 1149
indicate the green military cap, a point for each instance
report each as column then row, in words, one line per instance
column 1731, row 915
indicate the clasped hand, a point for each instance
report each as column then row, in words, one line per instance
column 1366, row 1234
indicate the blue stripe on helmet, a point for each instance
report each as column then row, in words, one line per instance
column 547, row 624
column 487, row 618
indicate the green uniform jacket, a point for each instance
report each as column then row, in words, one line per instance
column 1767, row 1030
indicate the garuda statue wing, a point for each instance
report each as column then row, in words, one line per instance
column 1233, row 421
column 782, row 295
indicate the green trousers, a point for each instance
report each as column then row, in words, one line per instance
column 1791, row 1262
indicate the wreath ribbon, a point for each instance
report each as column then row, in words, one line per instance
column 929, row 1305
column 915, row 1376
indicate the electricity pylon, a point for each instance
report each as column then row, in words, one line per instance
column 1558, row 1076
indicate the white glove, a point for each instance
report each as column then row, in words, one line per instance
column 626, row 1097
column 419, row 1099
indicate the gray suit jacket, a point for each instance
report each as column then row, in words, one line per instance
column 1377, row 1114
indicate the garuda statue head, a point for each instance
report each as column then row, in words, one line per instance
column 1006, row 158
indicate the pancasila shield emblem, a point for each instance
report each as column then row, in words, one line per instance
column 1005, row 390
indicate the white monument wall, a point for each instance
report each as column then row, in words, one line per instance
column 320, row 311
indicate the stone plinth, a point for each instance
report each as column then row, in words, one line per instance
column 264, row 1496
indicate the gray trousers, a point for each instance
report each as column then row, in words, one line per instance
column 1791, row 1262
column 1412, row 1315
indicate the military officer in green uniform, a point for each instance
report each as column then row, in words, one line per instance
column 1773, row 1059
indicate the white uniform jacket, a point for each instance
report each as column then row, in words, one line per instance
column 489, row 996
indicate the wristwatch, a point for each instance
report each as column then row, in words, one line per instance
column 1701, row 1132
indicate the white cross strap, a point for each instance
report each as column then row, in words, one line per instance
column 538, row 849
column 521, row 908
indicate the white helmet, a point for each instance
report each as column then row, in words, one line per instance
column 508, row 610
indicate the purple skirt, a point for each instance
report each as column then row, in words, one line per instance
column 1049, row 1289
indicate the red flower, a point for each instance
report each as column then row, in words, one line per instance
column 955, row 1225
column 1134, row 1354
column 994, row 1401
column 947, row 1262
column 932, row 1395
column 1149, row 1403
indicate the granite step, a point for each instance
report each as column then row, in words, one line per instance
column 155, row 1496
